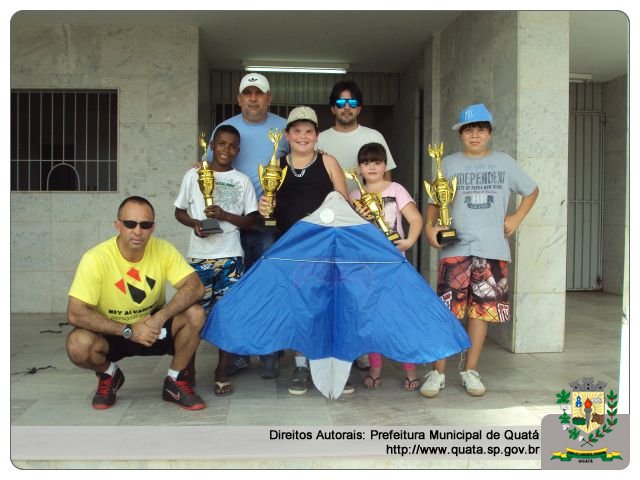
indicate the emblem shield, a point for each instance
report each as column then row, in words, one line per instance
column 587, row 410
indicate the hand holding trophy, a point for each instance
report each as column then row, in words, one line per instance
column 442, row 192
column 207, row 183
column 272, row 176
column 373, row 201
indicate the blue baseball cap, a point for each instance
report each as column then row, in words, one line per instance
column 473, row 114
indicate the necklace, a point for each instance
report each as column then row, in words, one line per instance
column 303, row 169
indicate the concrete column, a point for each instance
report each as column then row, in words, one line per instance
column 517, row 63
column 542, row 119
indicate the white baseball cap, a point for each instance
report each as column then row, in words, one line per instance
column 254, row 80
column 302, row 113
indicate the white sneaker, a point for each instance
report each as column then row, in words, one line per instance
column 471, row 381
column 433, row 383
column 363, row 362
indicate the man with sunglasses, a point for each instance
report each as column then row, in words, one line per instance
column 117, row 306
column 344, row 140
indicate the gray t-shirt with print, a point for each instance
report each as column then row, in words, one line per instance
column 481, row 201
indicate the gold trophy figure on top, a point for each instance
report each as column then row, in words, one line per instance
column 373, row 201
column 272, row 176
column 207, row 183
column 441, row 191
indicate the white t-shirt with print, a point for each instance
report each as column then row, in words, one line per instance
column 234, row 193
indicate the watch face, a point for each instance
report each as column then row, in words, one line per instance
column 127, row 332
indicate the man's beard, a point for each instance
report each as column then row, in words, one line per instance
column 348, row 121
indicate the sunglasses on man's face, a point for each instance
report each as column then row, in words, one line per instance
column 342, row 102
column 130, row 224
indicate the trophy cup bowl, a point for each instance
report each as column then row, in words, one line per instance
column 207, row 183
column 442, row 192
column 272, row 176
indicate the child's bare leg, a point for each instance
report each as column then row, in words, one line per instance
column 222, row 385
column 372, row 380
column 411, row 380
column 440, row 365
column 410, row 371
column 221, row 369
column 477, row 330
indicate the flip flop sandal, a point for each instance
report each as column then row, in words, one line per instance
column 237, row 365
column 411, row 385
column 375, row 382
column 221, row 389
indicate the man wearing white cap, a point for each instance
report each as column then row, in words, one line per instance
column 254, row 123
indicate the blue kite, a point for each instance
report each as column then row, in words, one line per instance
column 333, row 288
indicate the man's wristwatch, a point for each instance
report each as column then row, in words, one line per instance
column 127, row 332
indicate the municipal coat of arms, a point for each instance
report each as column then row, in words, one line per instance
column 588, row 414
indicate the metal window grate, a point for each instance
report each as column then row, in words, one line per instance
column 585, row 186
column 64, row 140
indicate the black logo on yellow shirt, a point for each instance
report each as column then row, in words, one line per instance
column 137, row 294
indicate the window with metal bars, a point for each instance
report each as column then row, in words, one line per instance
column 64, row 140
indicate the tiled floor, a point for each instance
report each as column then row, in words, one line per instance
column 520, row 391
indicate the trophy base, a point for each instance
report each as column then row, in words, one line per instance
column 447, row 237
column 270, row 222
column 393, row 236
column 210, row 225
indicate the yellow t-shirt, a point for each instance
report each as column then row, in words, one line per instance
column 126, row 291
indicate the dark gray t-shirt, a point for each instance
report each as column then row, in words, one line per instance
column 481, row 201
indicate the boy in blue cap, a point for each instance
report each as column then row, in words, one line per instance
column 473, row 273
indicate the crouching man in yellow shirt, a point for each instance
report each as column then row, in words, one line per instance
column 117, row 306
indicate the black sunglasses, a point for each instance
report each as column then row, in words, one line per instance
column 342, row 102
column 130, row 224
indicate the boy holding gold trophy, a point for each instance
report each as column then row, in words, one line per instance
column 227, row 195
column 299, row 186
column 473, row 272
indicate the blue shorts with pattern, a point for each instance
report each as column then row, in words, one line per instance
column 217, row 275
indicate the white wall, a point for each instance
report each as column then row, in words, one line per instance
column 406, row 136
column 155, row 70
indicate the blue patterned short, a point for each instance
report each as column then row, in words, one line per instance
column 217, row 275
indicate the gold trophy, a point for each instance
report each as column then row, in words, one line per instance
column 441, row 191
column 272, row 176
column 373, row 201
column 207, row 183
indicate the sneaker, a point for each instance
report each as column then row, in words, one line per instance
column 471, row 381
column 190, row 376
column 433, row 383
column 299, row 381
column 108, row 385
column 363, row 362
column 349, row 387
column 269, row 366
column 179, row 391
column 240, row 363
